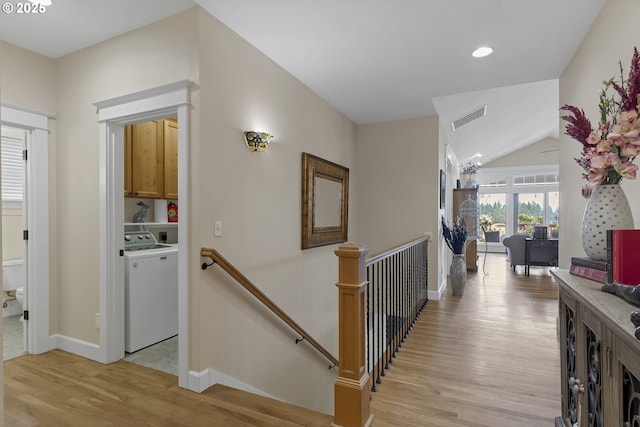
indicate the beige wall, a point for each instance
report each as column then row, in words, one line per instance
column 544, row 152
column 158, row 54
column 257, row 196
column 27, row 80
column 610, row 40
column 12, row 241
column 398, row 197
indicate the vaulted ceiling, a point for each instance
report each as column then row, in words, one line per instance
column 376, row 60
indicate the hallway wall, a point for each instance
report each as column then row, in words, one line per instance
column 610, row 40
column 158, row 54
column 27, row 80
column 257, row 196
column 399, row 165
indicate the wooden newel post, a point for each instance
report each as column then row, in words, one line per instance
column 351, row 403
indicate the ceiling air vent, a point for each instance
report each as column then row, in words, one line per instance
column 468, row 118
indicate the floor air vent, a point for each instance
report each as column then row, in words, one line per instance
column 468, row 118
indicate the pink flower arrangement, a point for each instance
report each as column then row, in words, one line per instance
column 608, row 152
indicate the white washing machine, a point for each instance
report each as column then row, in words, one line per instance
column 151, row 291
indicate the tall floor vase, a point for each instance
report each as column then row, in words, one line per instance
column 458, row 274
column 607, row 208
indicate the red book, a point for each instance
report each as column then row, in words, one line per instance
column 589, row 273
column 625, row 256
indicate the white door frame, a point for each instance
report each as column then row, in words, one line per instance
column 113, row 115
column 37, row 192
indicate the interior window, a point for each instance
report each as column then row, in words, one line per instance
column 13, row 143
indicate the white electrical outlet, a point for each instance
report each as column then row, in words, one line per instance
column 217, row 228
column 97, row 320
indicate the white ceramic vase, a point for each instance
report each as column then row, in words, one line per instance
column 458, row 274
column 607, row 208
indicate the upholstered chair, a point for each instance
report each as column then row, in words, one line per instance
column 516, row 247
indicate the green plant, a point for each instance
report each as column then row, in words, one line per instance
column 525, row 218
column 486, row 221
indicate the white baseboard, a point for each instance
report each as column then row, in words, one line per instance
column 75, row 346
column 200, row 381
column 436, row 295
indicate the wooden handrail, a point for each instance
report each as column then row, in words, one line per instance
column 388, row 252
column 253, row 290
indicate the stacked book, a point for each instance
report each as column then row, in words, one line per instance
column 623, row 256
column 623, row 260
column 589, row 269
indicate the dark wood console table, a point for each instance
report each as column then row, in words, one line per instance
column 540, row 252
column 598, row 347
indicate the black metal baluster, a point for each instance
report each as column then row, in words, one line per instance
column 374, row 331
column 404, row 298
column 383, row 336
column 425, row 264
column 407, row 281
column 412, row 287
column 423, row 274
column 379, row 335
column 390, row 317
column 368, row 322
column 396, row 303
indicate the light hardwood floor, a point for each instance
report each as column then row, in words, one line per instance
column 60, row 389
column 489, row 358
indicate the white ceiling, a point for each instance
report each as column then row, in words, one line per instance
column 376, row 60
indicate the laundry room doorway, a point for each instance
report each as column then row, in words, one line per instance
column 113, row 116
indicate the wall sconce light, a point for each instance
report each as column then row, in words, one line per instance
column 257, row 141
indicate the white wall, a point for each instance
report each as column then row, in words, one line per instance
column 611, row 39
column 544, row 152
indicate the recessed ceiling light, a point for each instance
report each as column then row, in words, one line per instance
column 482, row 51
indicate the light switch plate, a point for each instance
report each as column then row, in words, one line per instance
column 217, row 228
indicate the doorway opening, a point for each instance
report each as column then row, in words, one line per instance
column 113, row 116
column 26, row 233
column 151, row 201
column 14, row 251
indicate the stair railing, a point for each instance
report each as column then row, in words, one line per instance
column 396, row 295
column 218, row 259
column 380, row 298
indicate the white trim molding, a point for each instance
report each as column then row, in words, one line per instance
column 75, row 346
column 37, row 212
column 200, row 381
column 113, row 115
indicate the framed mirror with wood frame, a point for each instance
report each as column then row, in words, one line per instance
column 325, row 202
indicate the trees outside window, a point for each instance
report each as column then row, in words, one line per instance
column 493, row 213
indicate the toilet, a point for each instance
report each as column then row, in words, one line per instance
column 20, row 295
column 13, row 278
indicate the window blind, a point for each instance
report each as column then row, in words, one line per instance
column 12, row 166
